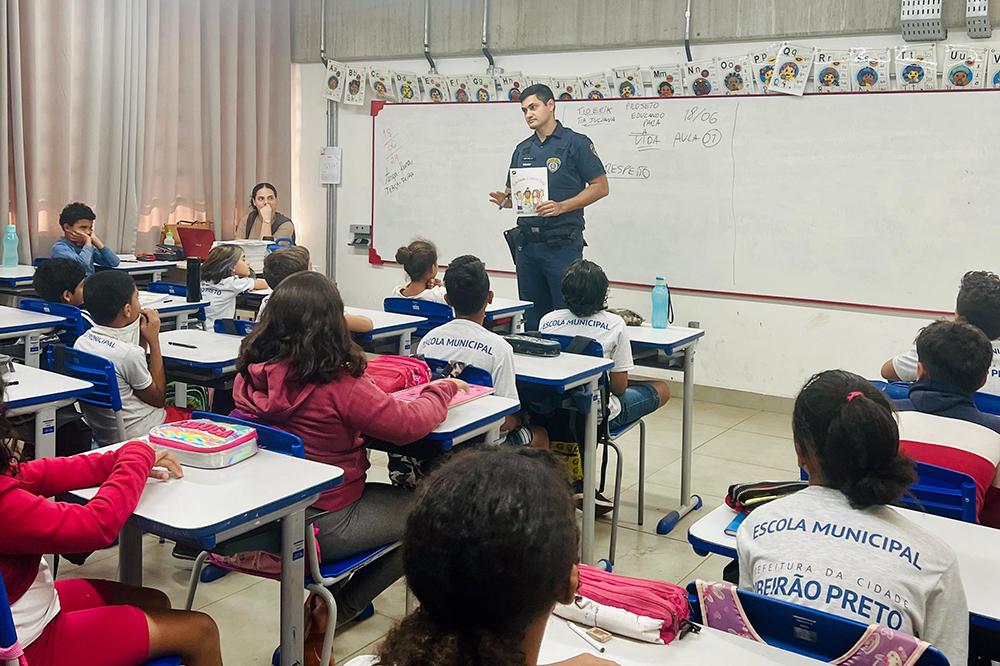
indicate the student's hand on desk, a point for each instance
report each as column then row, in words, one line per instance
column 501, row 199
column 166, row 466
column 462, row 386
column 585, row 660
column 550, row 208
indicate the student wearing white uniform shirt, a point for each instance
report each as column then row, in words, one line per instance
column 585, row 290
column 465, row 339
column 419, row 260
column 978, row 303
column 224, row 276
column 837, row 546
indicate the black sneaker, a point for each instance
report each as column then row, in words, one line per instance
column 602, row 505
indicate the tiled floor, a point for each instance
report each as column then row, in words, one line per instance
column 732, row 444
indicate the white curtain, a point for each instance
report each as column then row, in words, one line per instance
column 148, row 110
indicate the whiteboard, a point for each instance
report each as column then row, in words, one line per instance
column 881, row 198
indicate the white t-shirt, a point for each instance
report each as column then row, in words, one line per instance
column 221, row 297
column 263, row 304
column 605, row 327
column 434, row 294
column 132, row 371
column 871, row 565
column 36, row 607
column 363, row 660
column 905, row 366
column 468, row 342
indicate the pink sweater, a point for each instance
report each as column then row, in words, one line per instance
column 330, row 418
column 32, row 525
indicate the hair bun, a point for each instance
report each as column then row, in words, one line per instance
column 403, row 255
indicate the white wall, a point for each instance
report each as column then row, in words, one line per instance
column 751, row 345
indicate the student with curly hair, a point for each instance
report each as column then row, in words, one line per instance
column 80, row 242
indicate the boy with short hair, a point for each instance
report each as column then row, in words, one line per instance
column 978, row 303
column 60, row 281
column 290, row 260
column 585, row 290
column 79, row 242
column 122, row 333
column 465, row 339
column 939, row 423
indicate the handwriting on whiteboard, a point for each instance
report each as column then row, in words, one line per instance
column 616, row 171
column 398, row 169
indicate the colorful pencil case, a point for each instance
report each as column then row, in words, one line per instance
column 204, row 443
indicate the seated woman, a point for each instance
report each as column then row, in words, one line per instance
column 837, row 546
column 264, row 221
column 490, row 547
column 300, row 371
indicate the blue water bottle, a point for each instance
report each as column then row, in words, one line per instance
column 661, row 303
column 10, row 245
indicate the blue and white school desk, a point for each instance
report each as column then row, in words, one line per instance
column 388, row 325
column 501, row 308
column 472, row 419
column 16, row 282
column 561, row 374
column 198, row 357
column 173, row 308
column 16, row 323
column 658, row 347
column 209, row 506
column 153, row 270
column 40, row 392
column 976, row 546
column 710, row 646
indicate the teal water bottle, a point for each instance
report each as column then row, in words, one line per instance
column 10, row 245
column 661, row 303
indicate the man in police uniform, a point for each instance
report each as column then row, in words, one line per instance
column 549, row 243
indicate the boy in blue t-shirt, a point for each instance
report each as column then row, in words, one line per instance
column 79, row 242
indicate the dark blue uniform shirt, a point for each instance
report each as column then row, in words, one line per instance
column 572, row 162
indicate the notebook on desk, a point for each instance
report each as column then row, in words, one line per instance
column 462, row 397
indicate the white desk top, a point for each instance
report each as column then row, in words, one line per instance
column 561, row 370
column 663, row 337
column 15, row 319
column 211, row 349
column 474, row 414
column 19, row 274
column 205, row 501
column 168, row 302
column 977, row 548
column 142, row 266
column 386, row 321
column 708, row 647
column 502, row 306
column 35, row 386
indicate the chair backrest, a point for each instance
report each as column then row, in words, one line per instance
column 987, row 402
column 591, row 348
column 470, row 374
column 172, row 288
column 234, row 326
column 268, row 437
column 895, row 390
column 938, row 491
column 803, row 630
column 38, row 261
column 75, row 326
column 8, row 633
column 435, row 313
column 280, row 243
column 90, row 368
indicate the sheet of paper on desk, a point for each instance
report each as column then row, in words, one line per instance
column 148, row 298
column 329, row 165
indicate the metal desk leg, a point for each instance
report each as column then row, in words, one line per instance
column 182, row 320
column 688, row 502
column 292, row 587
column 32, row 349
column 45, row 433
column 404, row 343
column 516, row 323
column 130, row 555
column 590, row 474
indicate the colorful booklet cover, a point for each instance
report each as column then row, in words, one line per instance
column 667, row 80
column 354, row 92
column 791, row 69
column 475, row 392
column 832, row 71
column 870, row 69
column 333, row 88
column 916, row 67
column 701, row 78
column 763, row 67
column 566, row 88
column 964, row 66
column 736, row 75
column 483, row 88
column 993, row 69
column 596, row 86
column 511, row 84
column 627, row 82
column 406, row 87
column 382, row 84
column 529, row 186
column 435, row 88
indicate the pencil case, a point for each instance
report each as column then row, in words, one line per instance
column 527, row 344
column 204, row 443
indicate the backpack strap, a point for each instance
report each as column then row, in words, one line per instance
column 721, row 609
column 882, row 645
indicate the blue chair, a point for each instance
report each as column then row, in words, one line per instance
column 90, row 368
column 172, row 288
column 39, row 261
column 985, row 402
column 234, row 326
column 320, row 576
column 280, row 243
column 435, row 313
column 8, row 636
column 76, row 324
column 803, row 630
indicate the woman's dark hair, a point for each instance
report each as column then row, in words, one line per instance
column 106, row 293
column 585, row 288
column 955, row 352
column 220, row 263
column 489, row 548
column 8, row 442
column 417, row 258
column 848, row 427
column 257, row 188
column 75, row 212
column 979, row 302
column 304, row 324
column 467, row 284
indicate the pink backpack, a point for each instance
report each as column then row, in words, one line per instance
column 659, row 600
column 395, row 373
column 879, row 645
